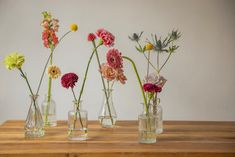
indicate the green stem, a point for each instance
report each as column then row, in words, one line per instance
column 30, row 89
column 105, row 92
column 44, row 69
column 76, row 111
column 165, row 61
column 139, row 80
column 85, row 77
column 49, row 89
column 27, row 81
column 150, row 63
column 158, row 61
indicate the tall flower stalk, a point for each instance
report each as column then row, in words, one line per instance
column 106, row 39
column 50, row 40
column 68, row 81
column 154, row 82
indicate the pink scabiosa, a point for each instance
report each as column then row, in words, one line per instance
column 114, row 58
column 91, row 37
column 107, row 37
column 69, row 80
column 152, row 88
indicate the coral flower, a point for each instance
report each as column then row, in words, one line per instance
column 53, row 72
column 69, row 80
column 120, row 76
column 107, row 37
column 50, row 27
column 114, row 58
column 91, row 37
column 14, row 60
column 108, row 72
column 73, row 27
column 152, row 88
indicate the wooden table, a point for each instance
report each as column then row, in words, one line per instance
column 180, row 138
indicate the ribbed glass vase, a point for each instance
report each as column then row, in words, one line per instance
column 49, row 111
column 147, row 125
column 34, row 123
column 107, row 116
column 77, row 123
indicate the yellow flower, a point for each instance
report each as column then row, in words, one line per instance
column 73, row 27
column 149, row 46
column 14, row 60
column 53, row 72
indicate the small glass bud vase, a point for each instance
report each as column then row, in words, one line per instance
column 107, row 116
column 157, row 111
column 147, row 126
column 77, row 123
column 49, row 111
column 34, row 122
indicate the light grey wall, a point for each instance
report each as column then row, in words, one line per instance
column 201, row 76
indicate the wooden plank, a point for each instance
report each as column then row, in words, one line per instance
column 180, row 138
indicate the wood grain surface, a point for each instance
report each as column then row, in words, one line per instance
column 180, row 139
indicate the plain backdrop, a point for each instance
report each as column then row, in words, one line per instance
column 201, row 75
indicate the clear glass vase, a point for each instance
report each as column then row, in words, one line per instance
column 107, row 116
column 77, row 123
column 34, row 122
column 157, row 111
column 49, row 111
column 147, row 126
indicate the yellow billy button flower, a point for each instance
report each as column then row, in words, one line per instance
column 149, row 46
column 73, row 27
column 14, row 60
column 53, row 72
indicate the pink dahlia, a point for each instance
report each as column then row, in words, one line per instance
column 107, row 37
column 91, row 37
column 114, row 58
column 69, row 80
column 152, row 88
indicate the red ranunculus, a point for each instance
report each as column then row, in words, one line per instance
column 69, row 80
column 91, row 37
column 114, row 58
column 107, row 37
column 152, row 88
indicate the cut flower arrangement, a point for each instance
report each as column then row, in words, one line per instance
column 154, row 82
column 50, row 27
column 34, row 125
column 111, row 71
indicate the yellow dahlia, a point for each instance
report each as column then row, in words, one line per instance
column 53, row 72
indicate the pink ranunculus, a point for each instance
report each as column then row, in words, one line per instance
column 91, row 37
column 107, row 37
column 152, row 88
column 114, row 58
column 108, row 72
column 69, row 80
